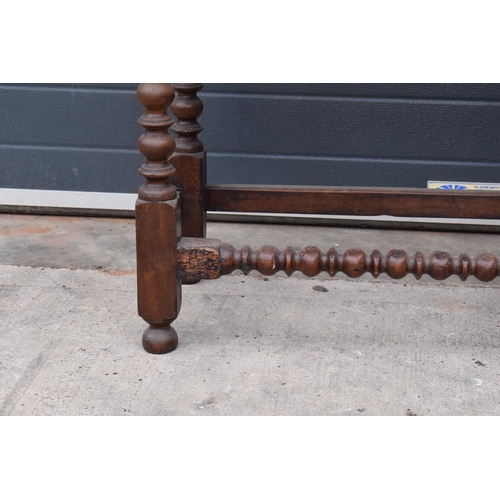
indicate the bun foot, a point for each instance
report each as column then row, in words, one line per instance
column 160, row 339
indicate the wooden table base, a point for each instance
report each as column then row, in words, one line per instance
column 171, row 220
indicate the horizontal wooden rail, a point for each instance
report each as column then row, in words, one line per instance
column 210, row 259
column 353, row 201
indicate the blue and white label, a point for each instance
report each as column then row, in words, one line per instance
column 460, row 186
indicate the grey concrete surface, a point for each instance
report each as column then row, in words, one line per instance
column 249, row 345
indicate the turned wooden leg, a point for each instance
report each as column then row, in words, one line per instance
column 157, row 223
column 189, row 160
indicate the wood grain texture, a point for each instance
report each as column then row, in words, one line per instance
column 190, row 161
column 190, row 179
column 353, row 201
column 187, row 107
column 157, row 223
column 211, row 259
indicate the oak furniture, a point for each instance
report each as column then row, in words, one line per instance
column 172, row 247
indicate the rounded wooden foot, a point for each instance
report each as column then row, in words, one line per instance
column 159, row 339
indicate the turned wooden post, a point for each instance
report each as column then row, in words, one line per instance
column 157, row 222
column 189, row 159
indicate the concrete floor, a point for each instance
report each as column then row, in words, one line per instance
column 70, row 336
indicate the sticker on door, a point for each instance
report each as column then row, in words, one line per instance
column 477, row 186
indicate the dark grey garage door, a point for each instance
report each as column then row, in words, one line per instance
column 82, row 137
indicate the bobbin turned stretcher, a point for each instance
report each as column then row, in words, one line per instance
column 171, row 219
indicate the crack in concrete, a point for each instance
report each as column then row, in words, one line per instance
column 15, row 395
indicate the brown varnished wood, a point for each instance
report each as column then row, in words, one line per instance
column 353, row 201
column 189, row 159
column 191, row 181
column 164, row 259
column 211, row 259
column 157, row 223
column 187, row 107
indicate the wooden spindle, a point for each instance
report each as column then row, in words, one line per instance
column 210, row 259
column 157, row 222
column 189, row 159
column 187, row 107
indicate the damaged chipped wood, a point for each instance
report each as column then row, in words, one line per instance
column 199, row 258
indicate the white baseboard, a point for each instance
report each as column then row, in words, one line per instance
column 67, row 199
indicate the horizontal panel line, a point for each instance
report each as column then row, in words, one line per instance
column 352, row 159
column 87, row 90
column 67, row 148
column 288, row 97
column 412, row 100
column 261, row 156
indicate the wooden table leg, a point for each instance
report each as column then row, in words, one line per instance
column 157, row 223
column 189, row 160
